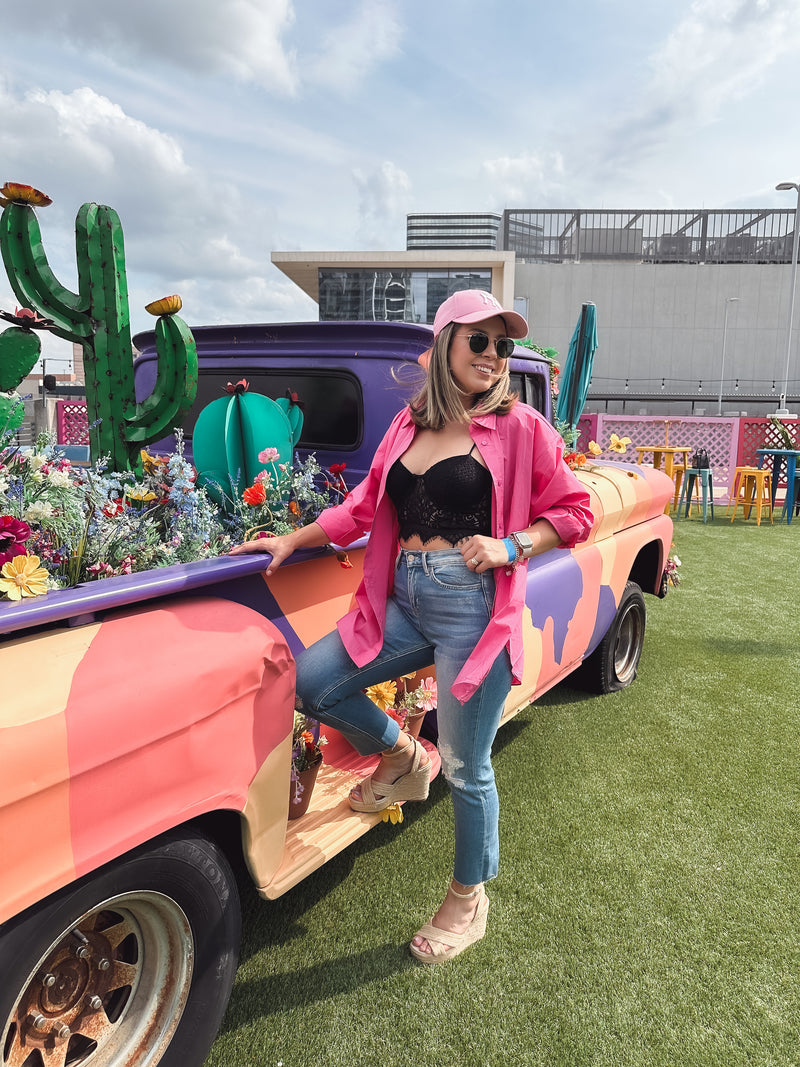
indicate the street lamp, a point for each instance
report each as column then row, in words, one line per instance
column 784, row 187
column 729, row 300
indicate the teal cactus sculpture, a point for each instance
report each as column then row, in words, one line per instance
column 97, row 318
column 231, row 432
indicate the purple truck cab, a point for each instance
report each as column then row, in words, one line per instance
column 342, row 373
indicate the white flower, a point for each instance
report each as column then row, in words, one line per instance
column 3, row 484
column 60, row 479
column 676, row 561
column 35, row 460
column 37, row 511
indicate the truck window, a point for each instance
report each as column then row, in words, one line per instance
column 332, row 401
column 531, row 389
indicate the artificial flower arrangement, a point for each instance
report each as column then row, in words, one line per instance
column 284, row 496
column 575, row 460
column 61, row 525
column 402, row 699
column 307, row 743
column 671, row 576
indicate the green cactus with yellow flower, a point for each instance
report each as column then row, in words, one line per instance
column 97, row 318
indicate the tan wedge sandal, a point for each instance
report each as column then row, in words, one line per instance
column 446, row 945
column 414, row 785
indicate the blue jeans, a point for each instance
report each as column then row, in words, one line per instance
column 436, row 614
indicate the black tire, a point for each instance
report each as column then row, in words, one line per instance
column 132, row 964
column 613, row 664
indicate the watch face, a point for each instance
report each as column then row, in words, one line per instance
column 524, row 541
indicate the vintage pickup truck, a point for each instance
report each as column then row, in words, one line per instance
column 146, row 720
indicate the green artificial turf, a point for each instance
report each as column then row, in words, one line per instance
column 647, row 907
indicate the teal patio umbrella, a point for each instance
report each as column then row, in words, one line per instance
column 576, row 375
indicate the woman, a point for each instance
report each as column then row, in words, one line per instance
column 465, row 486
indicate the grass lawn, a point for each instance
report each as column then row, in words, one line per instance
column 647, row 908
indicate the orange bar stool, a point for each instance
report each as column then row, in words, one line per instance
column 738, row 476
column 753, row 490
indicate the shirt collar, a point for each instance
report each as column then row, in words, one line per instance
column 488, row 421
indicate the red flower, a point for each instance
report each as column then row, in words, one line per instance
column 255, row 495
column 13, row 534
column 294, row 507
column 241, row 386
column 574, row 459
column 337, row 468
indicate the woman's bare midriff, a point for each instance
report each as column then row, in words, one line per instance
column 435, row 544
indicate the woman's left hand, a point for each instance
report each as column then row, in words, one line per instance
column 483, row 553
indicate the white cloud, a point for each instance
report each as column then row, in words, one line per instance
column 523, row 179
column 718, row 54
column 354, row 48
column 384, row 195
column 242, row 38
column 183, row 230
column 721, row 50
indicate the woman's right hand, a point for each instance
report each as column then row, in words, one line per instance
column 280, row 548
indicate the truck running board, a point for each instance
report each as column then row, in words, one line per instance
column 328, row 826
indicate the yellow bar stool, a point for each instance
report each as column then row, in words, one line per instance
column 753, row 489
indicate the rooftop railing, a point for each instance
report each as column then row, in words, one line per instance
column 736, row 236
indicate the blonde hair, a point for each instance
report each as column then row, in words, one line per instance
column 440, row 400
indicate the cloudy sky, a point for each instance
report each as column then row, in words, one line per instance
column 221, row 131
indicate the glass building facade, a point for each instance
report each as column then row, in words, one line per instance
column 472, row 232
column 392, row 295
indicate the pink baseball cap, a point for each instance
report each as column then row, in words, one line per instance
column 475, row 305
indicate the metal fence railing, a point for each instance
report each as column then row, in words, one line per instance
column 737, row 236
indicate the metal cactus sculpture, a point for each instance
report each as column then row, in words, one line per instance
column 97, row 318
column 230, row 433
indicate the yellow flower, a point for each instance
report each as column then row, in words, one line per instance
column 151, row 463
column 595, row 449
column 382, row 694
column 617, row 444
column 392, row 814
column 140, row 495
column 22, row 576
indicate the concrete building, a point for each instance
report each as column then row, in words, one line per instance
column 688, row 302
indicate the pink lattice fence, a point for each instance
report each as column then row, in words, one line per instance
column 719, row 436
column 761, row 433
column 72, row 422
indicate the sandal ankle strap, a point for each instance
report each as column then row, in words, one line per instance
column 465, row 896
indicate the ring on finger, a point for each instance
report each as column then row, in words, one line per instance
column 474, row 561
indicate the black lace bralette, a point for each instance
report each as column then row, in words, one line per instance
column 451, row 500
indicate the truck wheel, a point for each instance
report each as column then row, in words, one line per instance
column 131, row 965
column 612, row 666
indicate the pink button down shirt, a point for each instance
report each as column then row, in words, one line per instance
column 523, row 454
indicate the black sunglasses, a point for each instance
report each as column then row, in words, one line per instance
column 503, row 346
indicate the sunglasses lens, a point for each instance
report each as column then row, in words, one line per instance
column 478, row 342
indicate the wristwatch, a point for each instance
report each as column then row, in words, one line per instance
column 524, row 545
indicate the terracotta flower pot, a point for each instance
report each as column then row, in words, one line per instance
column 413, row 723
column 299, row 806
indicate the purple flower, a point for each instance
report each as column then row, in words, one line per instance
column 13, row 534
